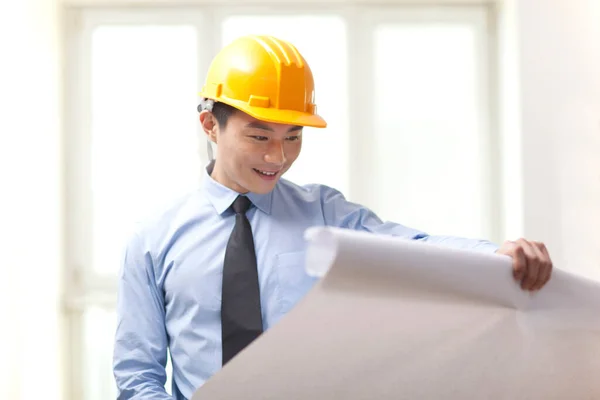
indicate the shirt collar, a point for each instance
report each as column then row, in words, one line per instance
column 221, row 197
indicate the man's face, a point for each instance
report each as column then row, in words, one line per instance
column 251, row 154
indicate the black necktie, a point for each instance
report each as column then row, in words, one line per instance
column 241, row 320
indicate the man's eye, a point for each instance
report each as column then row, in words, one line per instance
column 260, row 138
column 292, row 138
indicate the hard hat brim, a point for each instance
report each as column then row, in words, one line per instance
column 277, row 116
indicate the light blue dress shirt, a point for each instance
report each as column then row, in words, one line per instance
column 170, row 280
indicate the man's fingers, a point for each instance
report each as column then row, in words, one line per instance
column 541, row 272
column 548, row 260
column 545, row 270
column 519, row 262
column 533, row 265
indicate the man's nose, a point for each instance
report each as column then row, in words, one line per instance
column 275, row 153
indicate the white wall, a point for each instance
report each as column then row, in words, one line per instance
column 559, row 68
column 30, row 200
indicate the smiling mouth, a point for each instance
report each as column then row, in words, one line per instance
column 265, row 173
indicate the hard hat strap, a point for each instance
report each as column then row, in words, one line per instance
column 209, row 150
column 206, row 104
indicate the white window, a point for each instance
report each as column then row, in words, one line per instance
column 133, row 148
column 429, row 141
column 405, row 93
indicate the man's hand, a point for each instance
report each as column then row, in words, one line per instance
column 532, row 266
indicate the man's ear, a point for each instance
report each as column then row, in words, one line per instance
column 209, row 125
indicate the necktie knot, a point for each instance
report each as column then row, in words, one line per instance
column 241, row 205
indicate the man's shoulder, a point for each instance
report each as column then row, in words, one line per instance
column 308, row 192
column 161, row 219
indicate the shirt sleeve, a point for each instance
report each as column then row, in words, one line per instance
column 140, row 351
column 341, row 213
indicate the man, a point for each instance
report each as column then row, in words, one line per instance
column 225, row 263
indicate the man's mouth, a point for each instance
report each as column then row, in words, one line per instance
column 266, row 174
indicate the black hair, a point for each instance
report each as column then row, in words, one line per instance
column 221, row 111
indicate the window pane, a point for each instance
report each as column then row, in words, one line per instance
column 144, row 123
column 429, row 161
column 324, row 157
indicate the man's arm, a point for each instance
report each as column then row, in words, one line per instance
column 140, row 352
column 531, row 262
column 342, row 213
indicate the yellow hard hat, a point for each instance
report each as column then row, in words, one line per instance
column 266, row 78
